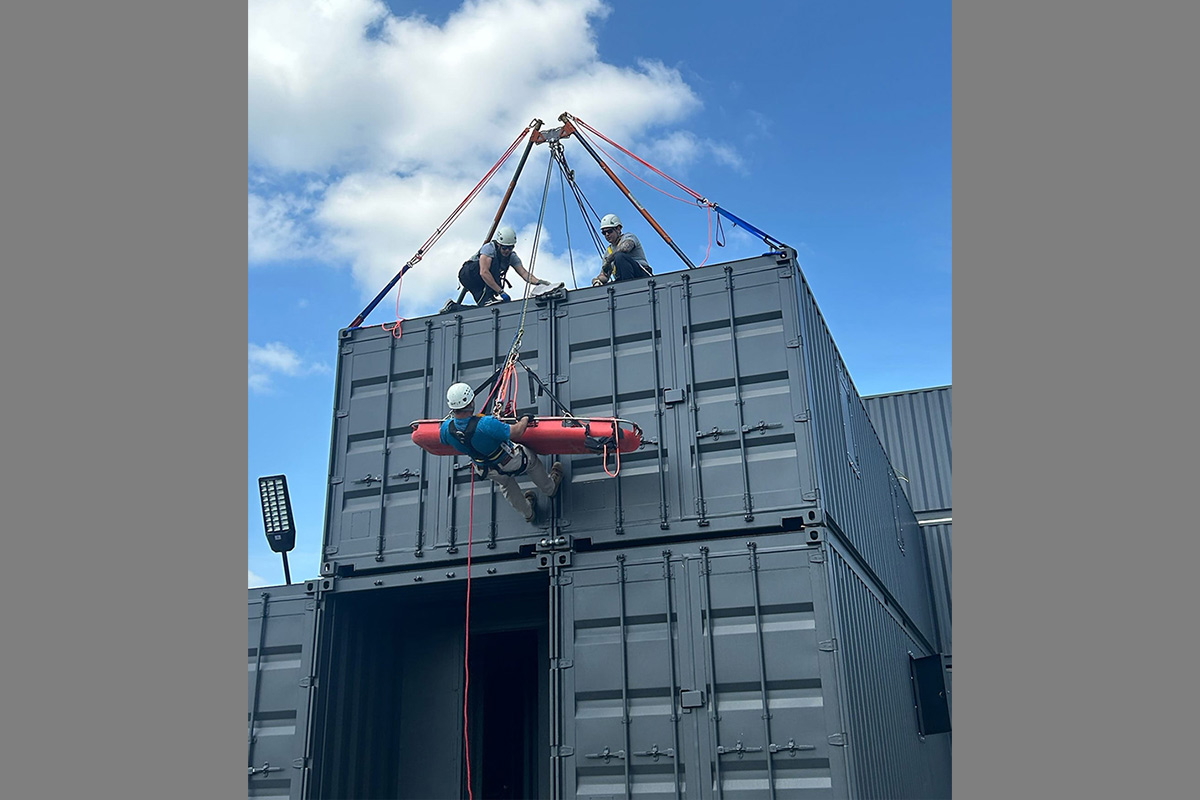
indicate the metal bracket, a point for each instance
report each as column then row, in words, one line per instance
column 606, row 755
column 561, row 663
column 791, row 747
column 265, row 769
column 837, row 739
column 308, row 681
column 562, row 751
column 740, row 749
column 673, row 396
column 655, row 753
column 827, row 646
column 691, row 698
column 761, row 427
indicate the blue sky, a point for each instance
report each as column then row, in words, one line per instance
column 826, row 125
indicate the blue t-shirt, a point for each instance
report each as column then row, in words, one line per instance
column 490, row 433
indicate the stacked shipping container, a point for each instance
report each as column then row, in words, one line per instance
column 735, row 614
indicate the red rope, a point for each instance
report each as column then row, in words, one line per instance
column 699, row 200
column 450, row 220
column 467, row 638
column 640, row 161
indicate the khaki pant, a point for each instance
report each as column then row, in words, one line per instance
column 507, row 481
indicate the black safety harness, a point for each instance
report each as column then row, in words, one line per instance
column 483, row 463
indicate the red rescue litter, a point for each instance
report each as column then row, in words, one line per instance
column 549, row 436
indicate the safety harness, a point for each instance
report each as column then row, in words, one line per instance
column 484, row 463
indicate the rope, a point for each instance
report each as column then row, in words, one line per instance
column 467, row 638
column 509, row 377
column 640, row 161
column 567, row 226
column 441, row 229
column 700, row 201
column 617, row 439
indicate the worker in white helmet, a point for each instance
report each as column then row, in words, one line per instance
column 483, row 273
column 489, row 442
column 626, row 259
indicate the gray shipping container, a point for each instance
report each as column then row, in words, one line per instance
column 751, row 424
column 766, row 666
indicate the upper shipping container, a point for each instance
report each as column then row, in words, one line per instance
column 750, row 420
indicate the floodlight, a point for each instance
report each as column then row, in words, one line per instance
column 278, row 522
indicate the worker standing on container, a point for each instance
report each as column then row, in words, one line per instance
column 489, row 442
column 483, row 273
column 626, row 259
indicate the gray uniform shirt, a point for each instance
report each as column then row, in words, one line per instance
column 637, row 253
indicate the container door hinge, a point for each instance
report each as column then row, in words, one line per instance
column 837, row 739
column 300, row 763
column 801, row 417
column 561, row 580
column 794, row 343
column 308, row 681
column 817, row 557
column 562, row 751
column 561, row 379
column 335, row 481
column 828, row 646
column 815, row 494
column 342, row 414
column 561, row 663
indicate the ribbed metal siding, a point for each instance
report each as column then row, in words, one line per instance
column 888, row 758
column 282, row 619
column 938, row 553
column 915, row 428
column 858, row 486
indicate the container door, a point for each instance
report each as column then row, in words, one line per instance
column 378, row 509
column 764, row 640
column 625, row 644
column 738, row 700
column 744, row 415
column 614, row 359
column 282, row 630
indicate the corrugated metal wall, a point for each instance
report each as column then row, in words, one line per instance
column 915, row 428
column 888, row 757
column 859, row 489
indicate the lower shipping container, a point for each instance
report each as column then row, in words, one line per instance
column 769, row 666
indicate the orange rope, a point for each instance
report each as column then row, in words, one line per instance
column 617, row 447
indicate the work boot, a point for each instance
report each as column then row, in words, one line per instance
column 556, row 474
column 531, row 496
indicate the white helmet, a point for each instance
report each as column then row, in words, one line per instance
column 506, row 236
column 610, row 221
column 459, row 396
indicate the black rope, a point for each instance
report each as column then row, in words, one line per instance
column 545, row 389
column 583, row 202
column 566, row 226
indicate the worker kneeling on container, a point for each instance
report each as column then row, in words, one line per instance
column 626, row 259
column 494, row 455
column 483, row 274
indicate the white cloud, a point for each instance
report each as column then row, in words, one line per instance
column 396, row 127
column 255, row 580
column 276, row 358
column 278, row 228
